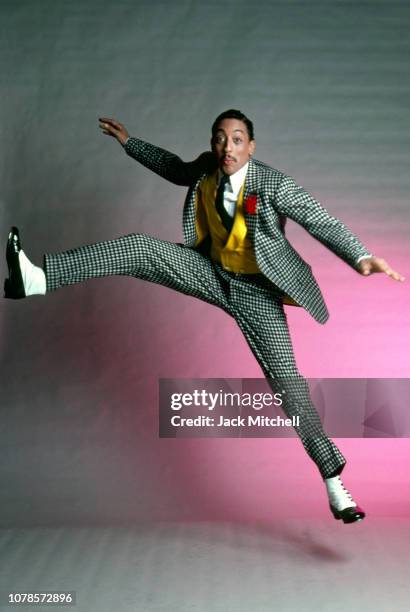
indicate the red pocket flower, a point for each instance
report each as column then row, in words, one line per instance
column 250, row 204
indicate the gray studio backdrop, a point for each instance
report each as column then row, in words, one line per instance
column 327, row 85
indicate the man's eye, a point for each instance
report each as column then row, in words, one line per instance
column 237, row 140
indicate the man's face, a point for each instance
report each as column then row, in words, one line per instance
column 231, row 145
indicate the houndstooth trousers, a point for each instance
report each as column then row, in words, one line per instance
column 251, row 299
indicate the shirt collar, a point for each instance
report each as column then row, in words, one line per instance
column 236, row 180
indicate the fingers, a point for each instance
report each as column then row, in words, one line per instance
column 394, row 275
column 384, row 267
column 376, row 264
column 365, row 267
column 110, row 121
column 111, row 127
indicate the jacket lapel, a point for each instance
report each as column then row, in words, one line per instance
column 189, row 214
column 250, row 206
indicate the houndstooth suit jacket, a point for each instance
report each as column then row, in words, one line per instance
column 278, row 196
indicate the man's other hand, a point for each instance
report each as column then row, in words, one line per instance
column 370, row 265
column 111, row 127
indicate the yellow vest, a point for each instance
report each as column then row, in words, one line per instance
column 232, row 250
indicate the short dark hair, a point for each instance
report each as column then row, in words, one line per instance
column 232, row 113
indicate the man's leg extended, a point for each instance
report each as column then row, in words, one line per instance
column 140, row 256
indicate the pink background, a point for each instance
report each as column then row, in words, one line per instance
column 327, row 90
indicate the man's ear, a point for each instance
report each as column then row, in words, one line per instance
column 252, row 147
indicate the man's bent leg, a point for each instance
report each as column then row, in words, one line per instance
column 267, row 333
column 261, row 317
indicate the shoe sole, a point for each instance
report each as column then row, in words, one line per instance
column 337, row 516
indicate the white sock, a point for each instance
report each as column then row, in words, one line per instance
column 339, row 497
column 34, row 278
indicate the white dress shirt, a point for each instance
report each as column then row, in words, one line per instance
column 232, row 188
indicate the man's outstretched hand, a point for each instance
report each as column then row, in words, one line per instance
column 370, row 265
column 111, row 127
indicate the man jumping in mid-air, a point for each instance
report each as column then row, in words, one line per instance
column 235, row 256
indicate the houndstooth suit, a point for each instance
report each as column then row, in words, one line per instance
column 278, row 196
column 255, row 301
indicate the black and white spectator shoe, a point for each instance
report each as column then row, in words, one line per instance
column 24, row 278
column 341, row 503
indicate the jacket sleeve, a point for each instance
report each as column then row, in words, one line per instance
column 168, row 165
column 296, row 203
